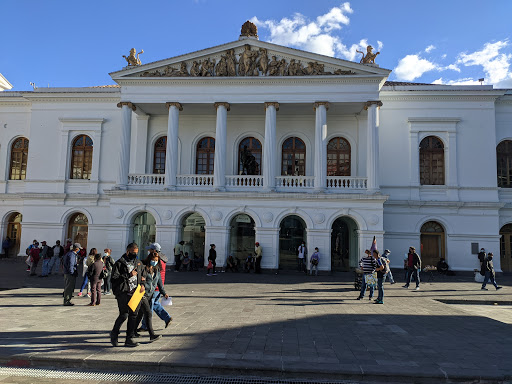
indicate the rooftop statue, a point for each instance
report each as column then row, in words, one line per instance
column 249, row 29
column 133, row 58
column 370, row 56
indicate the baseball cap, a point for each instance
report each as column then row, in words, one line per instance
column 155, row 246
column 77, row 245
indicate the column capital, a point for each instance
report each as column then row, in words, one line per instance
column 128, row 103
column 175, row 104
column 223, row 103
column 272, row 103
column 368, row 104
column 319, row 103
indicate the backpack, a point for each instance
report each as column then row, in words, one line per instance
column 49, row 252
column 314, row 261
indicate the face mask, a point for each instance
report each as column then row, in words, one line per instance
column 153, row 263
column 105, row 255
column 132, row 255
column 489, row 257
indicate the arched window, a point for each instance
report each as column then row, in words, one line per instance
column 81, row 158
column 432, row 243
column 504, row 159
column 338, row 157
column 249, row 157
column 78, row 229
column 205, row 155
column 159, row 158
column 293, row 161
column 19, row 155
column 431, row 161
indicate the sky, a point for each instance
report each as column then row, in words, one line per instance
column 64, row 43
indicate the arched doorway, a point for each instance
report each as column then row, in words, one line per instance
column 432, row 243
column 344, row 244
column 143, row 232
column 291, row 233
column 193, row 234
column 242, row 236
column 506, row 248
column 14, row 233
column 78, row 229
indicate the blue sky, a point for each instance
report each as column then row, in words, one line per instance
column 70, row 43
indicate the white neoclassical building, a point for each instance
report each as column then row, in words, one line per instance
column 251, row 141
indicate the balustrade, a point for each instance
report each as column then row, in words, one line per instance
column 244, row 181
column 194, row 181
column 295, row 182
column 346, row 182
column 150, row 179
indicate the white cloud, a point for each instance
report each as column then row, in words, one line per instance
column 412, row 67
column 464, row 81
column 495, row 65
column 430, row 48
column 318, row 35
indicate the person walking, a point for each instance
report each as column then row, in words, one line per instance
column 6, row 245
column 178, row 254
column 413, row 268
column 302, row 254
column 314, row 261
column 368, row 265
column 258, row 254
column 108, row 261
column 156, row 306
column 381, row 275
column 95, row 272
column 488, row 269
column 389, row 274
column 34, row 254
column 127, row 274
column 69, row 264
column 46, row 254
column 212, row 257
column 55, row 261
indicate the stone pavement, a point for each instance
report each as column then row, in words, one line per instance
column 286, row 325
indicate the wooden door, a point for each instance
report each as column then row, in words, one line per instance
column 506, row 248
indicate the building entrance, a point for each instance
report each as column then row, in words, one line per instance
column 78, row 229
column 432, row 243
column 291, row 233
column 242, row 237
column 506, row 248
column 344, row 245
column 14, row 233
column 193, row 234
column 144, row 232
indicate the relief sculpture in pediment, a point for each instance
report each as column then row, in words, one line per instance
column 251, row 63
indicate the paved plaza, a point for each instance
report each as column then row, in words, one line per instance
column 286, row 325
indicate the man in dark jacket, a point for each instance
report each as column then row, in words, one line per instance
column 69, row 264
column 413, row 268
column 488, row 268
column 127, row 273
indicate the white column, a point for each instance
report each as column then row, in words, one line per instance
column 372, row 162
column 269, row 149
column 269, row 241
column 126, row 137
column 171, row 157
column 140, row 145
column 451, row 166
column 219, row 167
column 320, row 145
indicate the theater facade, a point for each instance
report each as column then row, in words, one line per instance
column 251, row 141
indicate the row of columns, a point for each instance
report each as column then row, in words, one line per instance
column 269, row 174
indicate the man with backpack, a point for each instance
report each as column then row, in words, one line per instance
column 488, row 269
column 315, row 259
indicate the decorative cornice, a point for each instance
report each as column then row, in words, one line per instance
column 368, row 104
column 319, row 103
column 127, row 103
column 223, row 103
column 175, row 104
column 272, row 103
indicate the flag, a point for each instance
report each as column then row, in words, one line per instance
column 374, row 245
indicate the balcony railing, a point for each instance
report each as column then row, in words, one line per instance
column 335, row 184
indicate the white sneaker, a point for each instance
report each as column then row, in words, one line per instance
column 417, row 288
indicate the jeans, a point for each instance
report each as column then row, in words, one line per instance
column 380, row 287
column 125, row 312
column 84, row 284
column 300, row 264
column 311, row 269
column 391, row 280
column 363, row 289
column 54, row 262
column 107, row 284
column 158, row 308
column 489, row 276
column 46, row 267
column 69, row 287
column 410, row 274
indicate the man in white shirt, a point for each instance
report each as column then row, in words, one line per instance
column 303, row 253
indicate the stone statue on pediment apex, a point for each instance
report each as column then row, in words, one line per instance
column 369, row 58
column 249, row 29
column 133, row 58
column 263, row 61
column 194, row 70
column 231, row 62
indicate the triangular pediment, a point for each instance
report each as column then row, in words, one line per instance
column 249, row 58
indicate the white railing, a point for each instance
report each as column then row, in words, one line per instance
column 194, row 181
column 148, row 180
column 244, row 181
column 296, row 182
column 346, row 182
